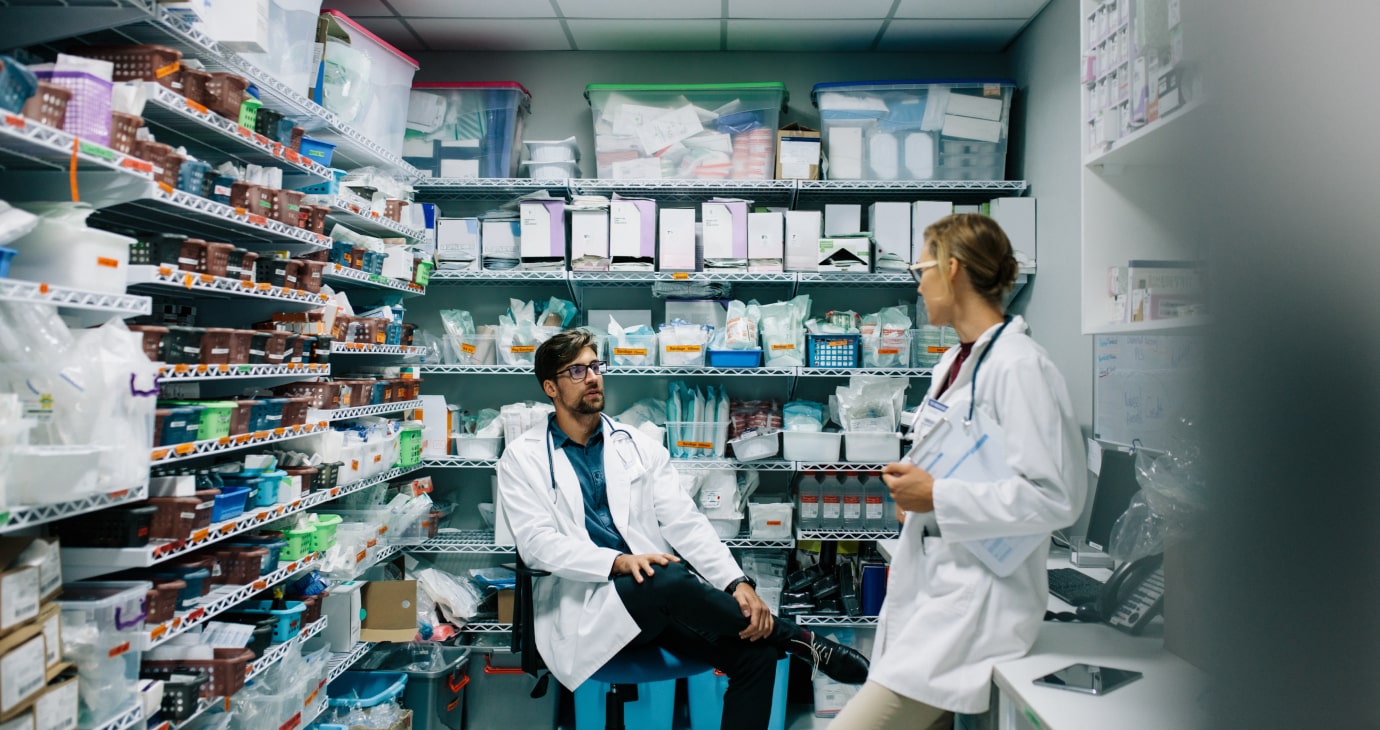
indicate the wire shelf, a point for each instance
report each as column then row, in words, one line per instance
column 362, row 348
column 629, row 279
column 838, row 466
column 341, row 661
column 846, row 534
column 745, row 542
column 273, row 654
column 814, row 193
column 168, row 279
column 476, row 370
column 226, row 444
column 859, row 280
column 27, row 144
column 486, row 627
column 761, row 192
column 186, row 373
column 712, row 464
column 493, row 278
column 460, row 189
column 220, row 600
column 837, row 621
column 125, row 305
column 355, row 213
column 468, row 542
column 677, row 372
column 849, row 372
column 354, row 277
column 129, row 718
column 19, row 517
column 455, row 462
column 210, row 136
column 344, row 414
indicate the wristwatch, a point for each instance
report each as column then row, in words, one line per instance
column 734, row 585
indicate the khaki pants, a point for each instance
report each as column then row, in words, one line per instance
column 877, row 708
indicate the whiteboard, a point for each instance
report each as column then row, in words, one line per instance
column 1145, row 385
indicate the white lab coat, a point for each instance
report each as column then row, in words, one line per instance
column 948, row 619
column 580, row 621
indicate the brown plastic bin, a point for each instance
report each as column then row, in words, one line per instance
column 139, row 63
column 313, row 218
column 308, row 474
column 196, row 86
column 152, row 339
column 227, row 671
column 167, row 164
column 310, row 278
column 224, row 346
column 161, row 602
column 408, row 330
column 124, row 129
column 323, row 395
column 48, row 105
column 295, row 411
column 276, row 351
column 241, row 566
column 177, row 517
column 292, row 274
column 227, row 93
column 393, row 209
column 290, row 206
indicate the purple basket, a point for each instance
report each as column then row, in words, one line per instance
column 88, row 111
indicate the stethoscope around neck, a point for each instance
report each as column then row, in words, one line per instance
column 617, row 437
column 972, row 397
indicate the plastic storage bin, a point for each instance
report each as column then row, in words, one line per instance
column 365, row 80
column 229, row 503
column 705, row 693
column 471, row 447
column 173, row 426
column 832, row 351
column 226, row 671
column 701, row 440
column 930, row 343
column 634, row 123
column 437, row 696
column 466, row 129
column 915, row 130
column 734, row 358
column 323, row 537
column 756, row 446
column 634, row 351
column 317, row 150
column 112, row 607
column 17, row 84
column 117, row 527
column 99, row 625
column 241, row 566
column 63, row 251
column 5, row 255
column 287, row 622
column 887, row 350
column 820, row 447
column 195, row 584
column 291, row 38
column 872, row 448
column 182, row 696
column 365, row 689
column 87, row 114
column 674, row 354
column 48, row 105
column 162, row 600
column 499, row 692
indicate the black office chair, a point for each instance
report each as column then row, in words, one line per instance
column 622, row 673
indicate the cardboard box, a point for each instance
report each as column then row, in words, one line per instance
column 725, row 230
column 500, row 239
column 23, row 673
column 923, row 214
column 504, row 602
column 842, row 219
column 50, row 618
column 889, row 224
column 846, row 253
column 845, row 153
column 45, row 554
column 435, row 417
column 632, row 234
column 240, row 25
column 390, row 611
column 457, row 244
column 19, row 585
column 766, row 242
column 543, row 232
column 803, row 228
column 57, row 708
column 797, row 153
column 1016, row 216
column 677, row 239
column 342, row 606
column 589, row 240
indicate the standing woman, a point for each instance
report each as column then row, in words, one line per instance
column 948, row 618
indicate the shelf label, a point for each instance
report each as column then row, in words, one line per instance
column 372, row 542
column 522, row 349
column 260, row 585
column 166, row 188
column 184, row 449
column 630, row 351
column 158, row 632
column 15, row 121
column 359, row 557
column 95, row 150
column 196, row 615
column 695, row 444
column 118, row 650
column 137, row 165
column 245, row 132
column 783, row 346
column 201, row 534
column 167, row 70
column 228, row 527
column 680, row 275
column 311, row 696
column 684, row 348
column 258, row 220
column 293, row 723
column 197, row 107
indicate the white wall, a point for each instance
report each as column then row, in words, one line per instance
column 557, row 80
column 1045, row 149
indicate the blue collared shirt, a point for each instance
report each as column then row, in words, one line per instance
column 588, row 462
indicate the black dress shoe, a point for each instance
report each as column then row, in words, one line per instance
column 838, row 662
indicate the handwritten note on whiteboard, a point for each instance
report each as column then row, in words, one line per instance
column 1145, row 384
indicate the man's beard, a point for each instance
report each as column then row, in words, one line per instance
column 586, row 407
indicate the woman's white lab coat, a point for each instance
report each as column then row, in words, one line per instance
column 948, row 619
column 580, row 621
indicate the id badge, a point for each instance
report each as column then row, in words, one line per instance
column 930, row 415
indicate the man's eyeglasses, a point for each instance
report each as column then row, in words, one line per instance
column 579, row 372
column 918, row 270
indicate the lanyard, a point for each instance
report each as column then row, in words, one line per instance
column 972, row 400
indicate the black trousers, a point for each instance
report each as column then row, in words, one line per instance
column 691, row 619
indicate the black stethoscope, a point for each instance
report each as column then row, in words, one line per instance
column 972, row 397
column 614, row 431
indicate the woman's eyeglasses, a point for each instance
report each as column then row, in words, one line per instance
column 579, row 372
column 918, row 270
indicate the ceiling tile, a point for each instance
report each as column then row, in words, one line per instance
column 628, row 9
column 978, row 36
column 970, row 9
column 354, row 8
column 393, row 31
column 645, row 35
column 474, row 8
column 770, row 9
column 802, row 35
column 449, row 34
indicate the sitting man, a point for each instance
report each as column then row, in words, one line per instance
column 599, row 506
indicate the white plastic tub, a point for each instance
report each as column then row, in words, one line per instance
column 512, row 351
column 474, row 349
column 819, row 447
column 471, row 447
column 365, row 80
column 52, row 474
column 634, row 351
column 872, row 448
column 466, row 129
column 62, row 251
column 756, row 446
column 679, row 354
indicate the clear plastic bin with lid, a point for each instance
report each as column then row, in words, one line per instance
column 466, row 129
column 697, row 131
column 364, row 80
column 915, row 130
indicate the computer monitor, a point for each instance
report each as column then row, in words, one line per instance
column 1116, row 484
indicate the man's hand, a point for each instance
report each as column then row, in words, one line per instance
column 759, row 617
column 911, row 487
column 636, row 565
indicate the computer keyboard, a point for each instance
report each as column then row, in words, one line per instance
column 1072, row 586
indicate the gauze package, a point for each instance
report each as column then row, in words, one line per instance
column 682, row 344
column 872, row 404
column 803, row 415
column 782, row 330
column 740, row 328
column 631, row 347
column 886, row 339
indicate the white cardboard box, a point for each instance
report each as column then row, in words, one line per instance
column 842, row 219
column 1016, row 216
column 589, row 240
column 543, row 231
column 725, row 229
column 766, row 242
column 850, row 253
column 889, row 223
column 501, row 239
column 845, row 153
column 632, row 233
column 342, row 606
column 457, row 243
column 923, row 214
column 677, row 237
column 803, row 229
column 435, row 429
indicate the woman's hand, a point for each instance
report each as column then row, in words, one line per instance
column 911, row 486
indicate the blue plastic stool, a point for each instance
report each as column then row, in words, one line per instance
column 649, row 665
